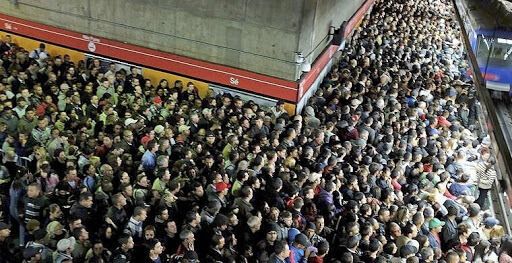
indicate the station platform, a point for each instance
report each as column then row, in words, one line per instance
column 487, row 23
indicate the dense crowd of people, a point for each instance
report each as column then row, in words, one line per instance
column 385, row 164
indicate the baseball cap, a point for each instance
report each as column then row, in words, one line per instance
column 434, row 222
column 355, row 102
column 157, row 100
column 29, row 252
column 415, row 244
column 159, row 129
column 66, row 243
column 302, row 239
column 221, row 186
column 490, row 222
column 206, row 111
column 129, row 121
column 183, row 128
column 210, row 134
column 311, row 226
column 292, row 233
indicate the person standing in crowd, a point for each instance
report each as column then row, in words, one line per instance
column 486, row 174
column 281, row 252
column 434, row 236
column 135, row 224
column 123, row 253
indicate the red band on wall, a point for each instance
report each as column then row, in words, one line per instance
column 215, row 73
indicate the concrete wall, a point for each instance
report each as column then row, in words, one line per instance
column 317, row 18
column 257, row 35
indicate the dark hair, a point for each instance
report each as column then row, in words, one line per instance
column 389, row 248
column 408, row 228
column 77, row 231
column 374, row 245
column 190, row 216
column 84, row 196
column 352, row 241
column 323, row 247
column 245, row 192
column 151, row 145
column 216, row 239
column 506, row 246
column 220, row 220
column 346, row 258
column 280, row 246
column 152, row 243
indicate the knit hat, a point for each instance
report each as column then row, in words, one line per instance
column 273, row 227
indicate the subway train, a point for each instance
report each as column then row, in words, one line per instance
column 491, row 42
column 493, row 50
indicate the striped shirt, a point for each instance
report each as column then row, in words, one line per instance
column 485, row 175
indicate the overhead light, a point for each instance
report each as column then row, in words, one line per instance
column 331, row 30
column 505, row 41
column 306, row 67
column 299, row 58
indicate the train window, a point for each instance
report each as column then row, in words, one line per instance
column 500, row 50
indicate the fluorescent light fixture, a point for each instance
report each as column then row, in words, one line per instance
column 505, row 41
column 485, row 41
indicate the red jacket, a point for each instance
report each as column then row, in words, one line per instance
column 316, row 259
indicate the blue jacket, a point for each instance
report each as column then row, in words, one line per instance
column 433, row 241
column 296, row 255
